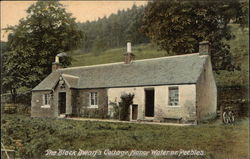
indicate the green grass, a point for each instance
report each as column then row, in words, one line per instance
column 216, row 140
column 143, row 51
column 239, row 49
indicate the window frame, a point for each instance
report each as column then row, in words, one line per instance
column 95, row 105
column 46, row 100
column 174, row 88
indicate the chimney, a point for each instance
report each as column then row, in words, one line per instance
column 128, row 56
column 56, row 65
column 204, row 48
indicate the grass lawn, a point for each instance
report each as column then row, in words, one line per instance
column 143, row 51
column 36, row 135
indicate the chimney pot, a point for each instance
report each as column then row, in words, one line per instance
column 204, row 48
column 57, row 59
column 128, row 56
column 56, row 65
column 129, row 47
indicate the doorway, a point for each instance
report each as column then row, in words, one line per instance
column 62, row 103
column 149, row 102
column 134, row 111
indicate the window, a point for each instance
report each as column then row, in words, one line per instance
column 46, row 99
column 93, row 98
column 173, row 93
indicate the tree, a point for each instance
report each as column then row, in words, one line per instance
column 178, row 27
column 114, row 30
column 99, row 46
column 35, row 41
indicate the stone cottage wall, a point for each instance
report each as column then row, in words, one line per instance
column 206, row 93
column 37, row 109
column 114, row 95
column 75, row 102
column 185, row 110
column 82, row 103
column 36, row 105
column 55, row 99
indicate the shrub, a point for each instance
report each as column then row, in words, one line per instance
column 23, row 109
column 115, row 110
column 126, row 101
column 94, row 113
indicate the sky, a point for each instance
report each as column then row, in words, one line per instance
column 13, row 11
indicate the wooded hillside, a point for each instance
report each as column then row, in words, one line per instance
column 114, row 31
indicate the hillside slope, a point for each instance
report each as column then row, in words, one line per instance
column 239, row 49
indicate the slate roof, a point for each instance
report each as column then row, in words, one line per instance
column 72, row 81
column 182, row 69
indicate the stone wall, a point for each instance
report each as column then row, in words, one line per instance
column 235, row 97
column 82, row 103
column 185, row 109
column 206, row 94
column 36, row 105
column 37, row 108
column 77, row 103
column 114, row 95
column 55, row 99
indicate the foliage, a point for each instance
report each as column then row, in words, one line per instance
column 178, row 27
column 94, row 113
column 32, row 44
column 115, row 110
column 114, row 31
column 3, row 46
column 99, row 45
column 126, row 101
column 30, row 137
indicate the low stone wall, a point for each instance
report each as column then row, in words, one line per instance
column 235, row 97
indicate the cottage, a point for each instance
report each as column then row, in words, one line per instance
column 176, row 88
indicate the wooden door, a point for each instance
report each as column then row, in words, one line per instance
column 134, row 112
column 62, row 103
column 149, row 102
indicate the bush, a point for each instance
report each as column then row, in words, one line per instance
column 94, row 113
column 23, row 109
column 115, row 110
column 126, row 101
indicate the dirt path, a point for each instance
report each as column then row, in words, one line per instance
column 134, row 122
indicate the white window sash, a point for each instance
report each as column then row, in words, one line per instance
column 46, row 101
column 173, row 96
column 93, row 100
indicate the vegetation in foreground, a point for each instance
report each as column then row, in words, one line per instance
column 31, row 137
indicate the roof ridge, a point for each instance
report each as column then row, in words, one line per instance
column 64, row 74
column 116, row 63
